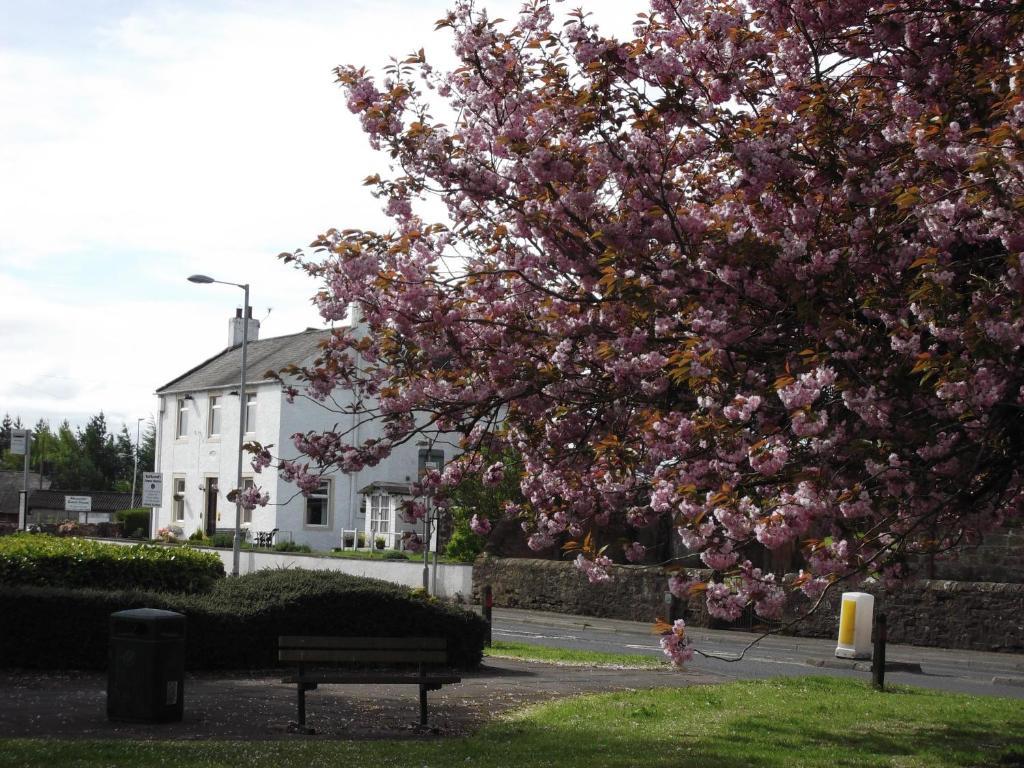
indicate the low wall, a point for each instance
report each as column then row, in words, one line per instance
column 946, row 614
column 453, row 582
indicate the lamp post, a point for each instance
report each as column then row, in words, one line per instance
column 135, row 468
column 236, row 546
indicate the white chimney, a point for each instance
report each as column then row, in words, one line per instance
column 235, row 325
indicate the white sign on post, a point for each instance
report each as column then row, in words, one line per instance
column 152, row 489
column 19, row 441
column 78, row 503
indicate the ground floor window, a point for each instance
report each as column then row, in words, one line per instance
column 318, row 506
column 247, row 483
column 178, row 499
column 380, row 514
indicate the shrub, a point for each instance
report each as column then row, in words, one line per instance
column 233, row 626
column 464, row 545
column 223, row 540
column 394, row 554
column 39, row 559
column 291, row 546
column 136, row 522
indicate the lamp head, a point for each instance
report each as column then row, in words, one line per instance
column 200, row 279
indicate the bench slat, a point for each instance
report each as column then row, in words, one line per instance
column 314, row 655
column 373, row 643
column 368, row 678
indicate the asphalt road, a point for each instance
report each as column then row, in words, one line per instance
column 975, row 672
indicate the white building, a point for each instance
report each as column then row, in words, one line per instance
column 197, row 452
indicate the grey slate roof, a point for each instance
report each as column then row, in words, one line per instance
column 222, row 370
column 102, row 501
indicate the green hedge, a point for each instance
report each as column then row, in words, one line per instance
column 233, row 626
column 41, row 560
column 136, row 522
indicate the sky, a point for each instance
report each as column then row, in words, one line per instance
column 142, row 142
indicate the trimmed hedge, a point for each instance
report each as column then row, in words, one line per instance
column 42, row 560
column 233, row 626
column 136, row 522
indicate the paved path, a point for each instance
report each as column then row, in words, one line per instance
column 259, row 706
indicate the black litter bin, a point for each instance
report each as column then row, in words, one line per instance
column 147, row 666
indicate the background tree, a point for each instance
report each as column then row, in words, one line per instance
column 757, row 269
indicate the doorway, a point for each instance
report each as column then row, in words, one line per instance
column 211, row 506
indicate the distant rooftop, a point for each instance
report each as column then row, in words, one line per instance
column 222, row 370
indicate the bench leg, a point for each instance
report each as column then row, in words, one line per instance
column 423, row 704
column 302, row 705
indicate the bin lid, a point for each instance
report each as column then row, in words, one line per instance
column 148, row 615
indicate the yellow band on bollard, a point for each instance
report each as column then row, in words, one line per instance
column 847, row 622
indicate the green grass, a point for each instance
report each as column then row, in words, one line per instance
column 810, row 722
column 527, row 652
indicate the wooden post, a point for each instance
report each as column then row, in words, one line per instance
column 878, row 656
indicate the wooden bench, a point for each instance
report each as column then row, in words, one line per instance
column 312, row 654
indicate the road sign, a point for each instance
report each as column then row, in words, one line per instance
column 152, row 489
column 78, row 503
column 19, row 441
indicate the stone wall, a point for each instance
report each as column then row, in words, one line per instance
column 980, row 616
column 634, row 593
column 998, row 558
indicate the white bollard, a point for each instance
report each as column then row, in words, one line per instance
column 855, row 626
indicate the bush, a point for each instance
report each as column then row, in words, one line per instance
column 394, row 554
column 136, row 522
column 223, row 540
column 233, row 626
column 463, row 545
column 43, row 560
column 291, row 546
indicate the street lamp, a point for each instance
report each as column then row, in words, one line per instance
column 135, row 470
column 236, row 546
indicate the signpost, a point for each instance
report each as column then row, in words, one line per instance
column 152, row 489
column 80, row 504
column 21, row 444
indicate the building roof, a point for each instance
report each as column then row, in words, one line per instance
column 263, row 355
column 102, row 501
column 11, row 482
column 394, row 489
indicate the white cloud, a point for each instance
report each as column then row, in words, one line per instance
column 169, row 140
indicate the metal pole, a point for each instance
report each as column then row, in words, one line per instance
column 135, row 467
column 28, row 451
column 426, row 553
column 236, row 549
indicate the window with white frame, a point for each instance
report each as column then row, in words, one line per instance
column 318, row 507
column 213, row 425
column 380, row 514
column 178, row 500
column 247, row 483
column 250, row 412
column 181, row 426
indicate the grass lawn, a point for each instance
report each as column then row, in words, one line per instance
column 527, row 652
column 787, row 723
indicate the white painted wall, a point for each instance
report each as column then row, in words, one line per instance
column 453, row 581
column 198, row 456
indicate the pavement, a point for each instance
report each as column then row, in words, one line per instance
column 729, row 654
column 258, row 706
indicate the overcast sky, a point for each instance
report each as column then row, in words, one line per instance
column 141, row 142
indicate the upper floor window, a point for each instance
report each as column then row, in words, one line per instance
column 181, row 426
column 318, row 506
column 213, row 427
column 250, row 412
